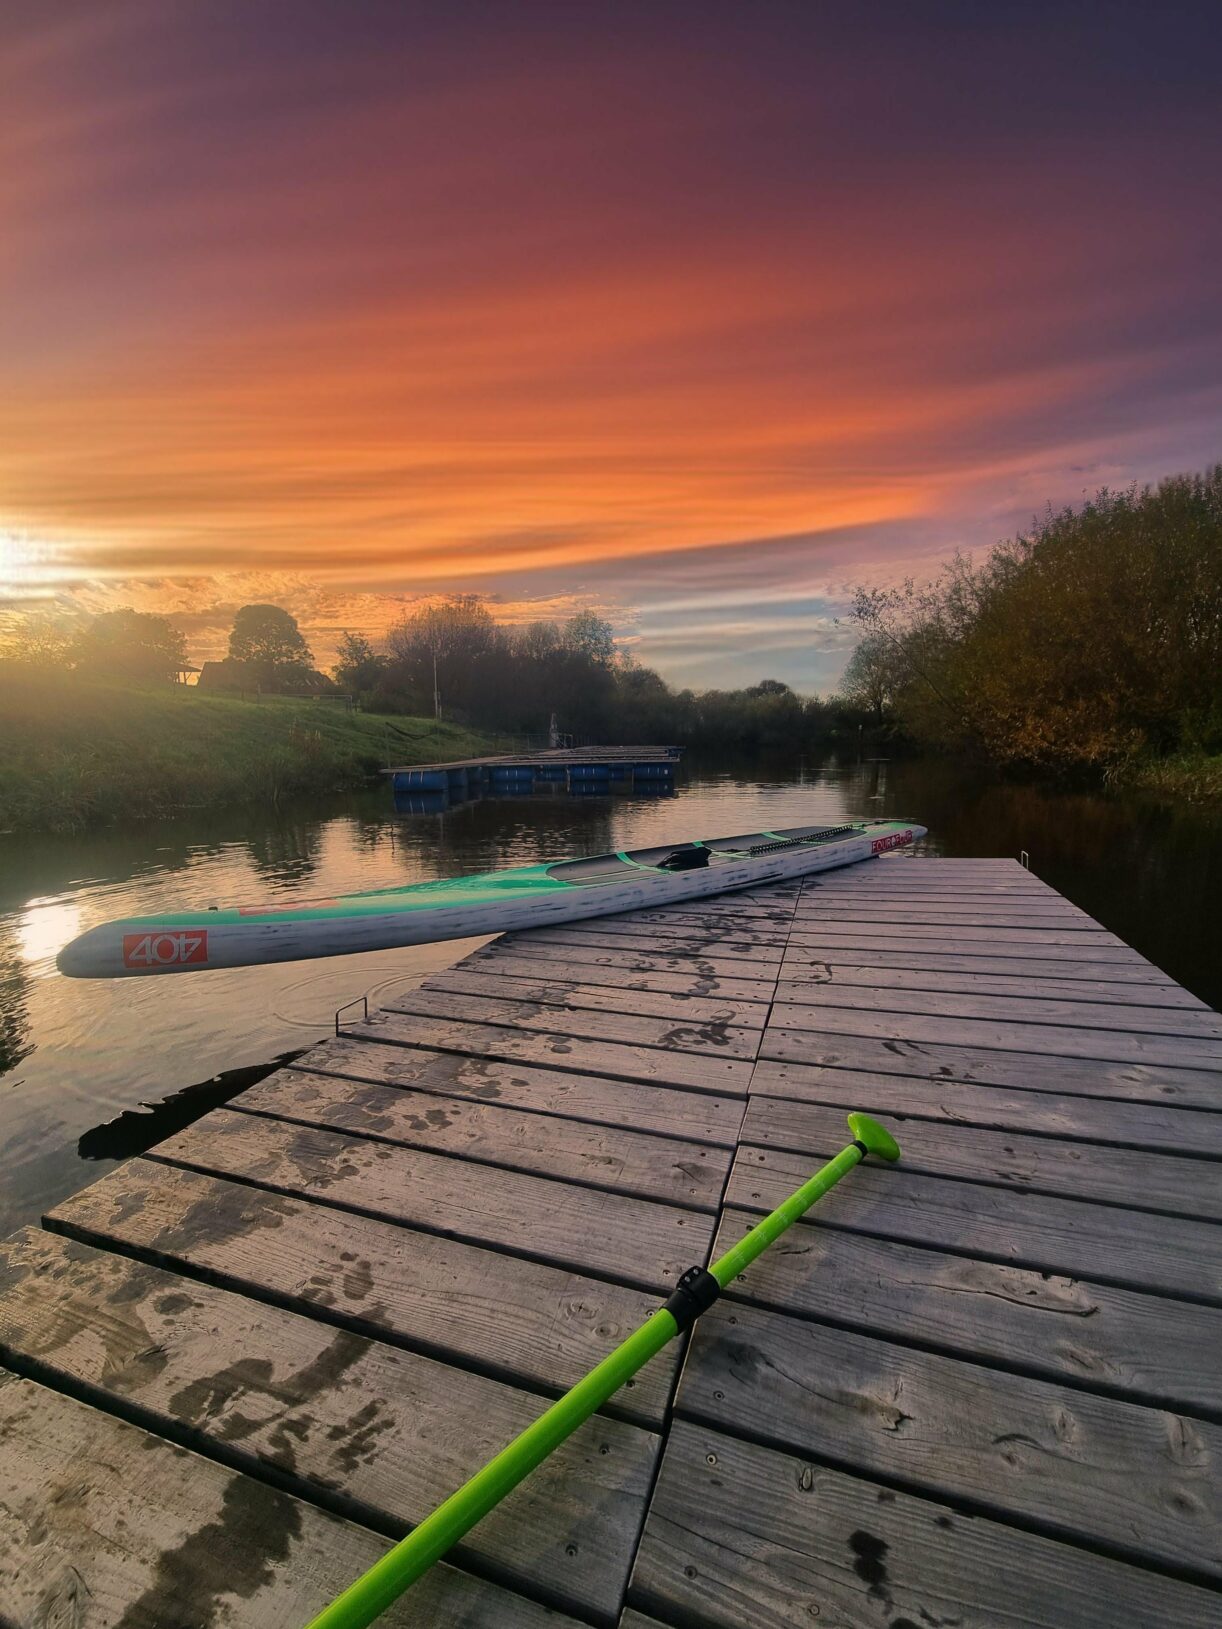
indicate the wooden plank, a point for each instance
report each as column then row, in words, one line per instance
column 695, row 1071
column 108, row 1527
column 930, row 958
column 1056, row 1040
column 1159, row 993
column 697, row 1116
column 833, row 884
column 862, row 887
column 730, row 907
column 675, row 1034
column 847, row 943
column 386, row 1433
column 1126, row 1177
column 1151, row 1126
column 1018, row 1005
column 1134, row 1249
column 517, row 1321
column 590, row 956
column 1085, row 942
column 1088, row 1077
column 744, row 1537
column 1144, row 1347
column 697, row 914
column 1145, row 1483
column 611, row 1157
column 624, row 976
column 571, row 995
column 657, row 941
column 1056, row 919
column 631, row 1241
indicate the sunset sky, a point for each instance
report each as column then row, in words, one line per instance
column 697, row 314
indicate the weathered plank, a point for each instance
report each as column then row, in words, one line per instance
column 947, row 898
column 1145, row 1347
column 1159, row 994
column 927, row 957
column 388, row 1433
column 1052, row 919
column 848, row 943
column 1135, row 1249
column 1089, row 1077
column 106, row 1526
column 1086, row 942
column 997, row 1035
column 731, row 909
column 632, row 1241
column 698, row 1116
column 584, row 958
column 1143, row 1482
column 623, row 975
column 1019, row 1006
column 570, row 995
column 1152, row 1126
column 865, row 885
column 743, row 1537
column 656, row 942
column 515, row 1320
column 1171, row 1185
column 677, row 1033
column 611, row 1157
column 698, row 1072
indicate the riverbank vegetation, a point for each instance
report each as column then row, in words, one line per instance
column 518, row 679
column 1090, row 646
column 76, row 751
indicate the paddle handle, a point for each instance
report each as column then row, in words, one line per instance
column 386, row 1580
column 399, row 1568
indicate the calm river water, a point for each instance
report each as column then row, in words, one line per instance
column 86, row 1068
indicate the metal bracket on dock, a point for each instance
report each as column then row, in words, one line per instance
column 1024, row 859
column 364, row 1001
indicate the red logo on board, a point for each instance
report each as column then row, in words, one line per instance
column 897, row 839
column 177, row 949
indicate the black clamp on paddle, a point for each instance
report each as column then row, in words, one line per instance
column 695, row 1293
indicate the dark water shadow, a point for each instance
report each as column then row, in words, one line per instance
column 135, row 1131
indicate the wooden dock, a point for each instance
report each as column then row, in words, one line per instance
column 980, row 1388
column 589, row 769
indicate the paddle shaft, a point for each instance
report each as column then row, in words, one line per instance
column 399, row 1568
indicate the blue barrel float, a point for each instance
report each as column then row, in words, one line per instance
column 421, row 780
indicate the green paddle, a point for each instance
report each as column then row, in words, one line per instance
column 697, row 1289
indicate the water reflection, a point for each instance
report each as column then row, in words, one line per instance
column 75, row 1055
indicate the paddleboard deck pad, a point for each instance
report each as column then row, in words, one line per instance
column 529, row 896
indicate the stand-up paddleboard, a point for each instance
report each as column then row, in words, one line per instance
column 529, row 896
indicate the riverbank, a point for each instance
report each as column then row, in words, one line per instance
column 1189, row 777
column 76, row 754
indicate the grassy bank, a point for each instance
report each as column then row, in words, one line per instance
column 1189, row 777
column 75, row 754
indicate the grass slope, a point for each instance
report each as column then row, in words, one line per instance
column 75, row 753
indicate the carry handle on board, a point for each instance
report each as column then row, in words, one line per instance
column 696, row 1291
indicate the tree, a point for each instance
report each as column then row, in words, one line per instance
column 267, row 638
column 360, row 667
column 590, row 636
column 457, row 643
column 38, row 640
column 871, row 678
column 137, row 646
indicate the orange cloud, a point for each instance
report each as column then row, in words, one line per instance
column 528, row 305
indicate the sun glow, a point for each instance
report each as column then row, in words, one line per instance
column 28, row 569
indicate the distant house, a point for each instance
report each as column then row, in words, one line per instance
column 241, row 679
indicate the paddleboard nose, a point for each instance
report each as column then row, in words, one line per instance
column 77, row 959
